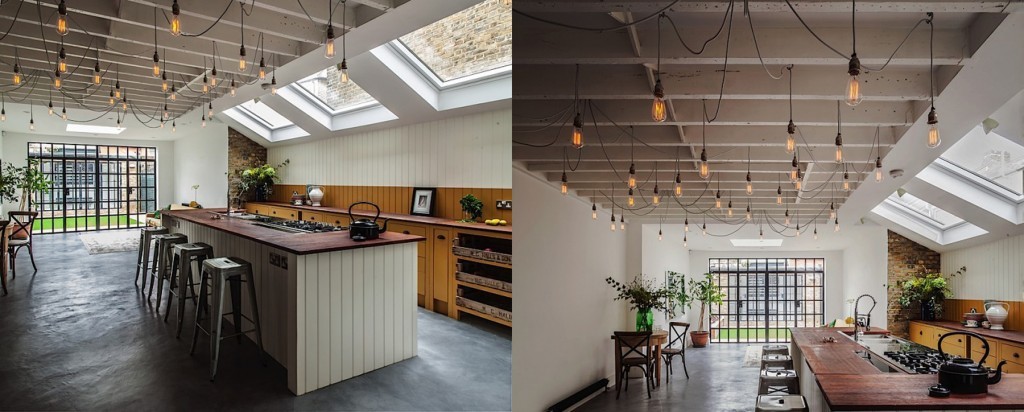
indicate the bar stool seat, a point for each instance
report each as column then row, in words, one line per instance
column 776, row 382
column 162, row 263
column 145, row 240
column 772, row 403
column 218, row 272
column 183, row 256
column 775, row 350
column 784, row 361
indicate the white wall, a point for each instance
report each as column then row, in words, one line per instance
column 563, row 309
column 466, row 151
column 202, row 158
column 865, row 270
column 660, row 256
column 994, row 270
column 15, row 150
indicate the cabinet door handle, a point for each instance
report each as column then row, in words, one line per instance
column 959, row 340
column 920, row 332
column 440, row 237
column 405, row 232
column 1016, row 355
column 274, row 212
column 337, row 222
column 312, row 218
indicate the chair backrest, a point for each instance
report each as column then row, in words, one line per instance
column 633, row 344
column 677, row 339
column 22, row 221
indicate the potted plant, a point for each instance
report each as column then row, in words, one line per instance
column 10, row 181
column 643, row 296
column 929, row 290
column 707, row 293
column 472, row 208
column 259, row 180
column 31, row 180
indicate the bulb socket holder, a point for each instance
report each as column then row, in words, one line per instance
column 791, row 128
column 878, row 162
column 565, row 179
column 839, row 139
column 703, row 155
column 175, row 10
column 659, row 90
column 933, row 118
column 156, row 57
column 577, row 121
column 854, row 68
column 678, row 178
column 241, row 51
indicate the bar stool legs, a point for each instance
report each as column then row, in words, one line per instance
column 145, row 249
column 217, row 273
column 184, row 255
column 161, row 265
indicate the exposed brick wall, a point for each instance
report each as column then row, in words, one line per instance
column 906, row 260
column 243, row 153
column 473, row 40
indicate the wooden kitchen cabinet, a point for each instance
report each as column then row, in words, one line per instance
column 1011, row 351
column 441, row 269
column 421, row 255
column 311, row 216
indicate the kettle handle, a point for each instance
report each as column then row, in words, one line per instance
column 960, row 332
column 363, row 203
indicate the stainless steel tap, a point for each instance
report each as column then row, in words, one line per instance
column 867, row 317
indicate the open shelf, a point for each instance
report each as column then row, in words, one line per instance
column 483, row 277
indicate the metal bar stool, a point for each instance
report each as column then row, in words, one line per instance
column 775, row 382
column 785, row 361
column 767, row 403
column 162, row 263
column 184, row 255
column 775, row 350
column 145, row 239
column 218, row 272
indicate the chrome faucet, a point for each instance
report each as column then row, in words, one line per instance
column 867, row 317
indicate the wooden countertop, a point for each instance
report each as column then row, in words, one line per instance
column 297, row 243
column 850, row 383
column 1007, row 335
column 395, row 216
column 897, row 391
column 833, row 357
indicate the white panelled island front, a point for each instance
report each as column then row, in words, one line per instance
column 331, row 308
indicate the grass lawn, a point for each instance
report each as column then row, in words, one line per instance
column 79, row 223
column 743, row 334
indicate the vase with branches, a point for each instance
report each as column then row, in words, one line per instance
column 260, row 180
column 643, row 296
column 929, row 290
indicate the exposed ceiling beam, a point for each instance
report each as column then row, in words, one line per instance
column 802, row 6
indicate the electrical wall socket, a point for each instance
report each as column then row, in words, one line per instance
column 503, row 205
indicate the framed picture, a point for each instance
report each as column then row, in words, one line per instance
column 423, row 201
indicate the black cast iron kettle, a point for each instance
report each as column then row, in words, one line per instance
column 365, row 229
column 962, row 375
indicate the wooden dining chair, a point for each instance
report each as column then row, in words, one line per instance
column 634, row 351
column 21, row 237
column 3, row 251
column 676, row 346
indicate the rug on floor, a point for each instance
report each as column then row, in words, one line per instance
column 752, row 358
column 110, row 242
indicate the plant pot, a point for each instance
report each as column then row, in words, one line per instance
column 927, row 310
column 644, row 320
column 699, row 339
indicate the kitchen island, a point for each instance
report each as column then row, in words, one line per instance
column 835, row 377
column 331, row 308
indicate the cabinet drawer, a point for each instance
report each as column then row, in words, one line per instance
column 954, row 350
column 919, row 333
column 405, row 228
column 1011, row 352
column 1012, row 367
column 256, row 209
column 283, row 212
column 312, row 216
column 335, row 219
column 959, row 341
column 977, row 350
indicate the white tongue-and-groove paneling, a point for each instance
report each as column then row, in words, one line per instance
column 473, row 150
column 995, row 270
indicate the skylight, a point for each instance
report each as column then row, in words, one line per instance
column 327, row 90
column 473, row 41
column 991, row 157
column 262, row 113
column 923, row 209
column 89, row 128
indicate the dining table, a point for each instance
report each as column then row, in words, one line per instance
column 658, row 338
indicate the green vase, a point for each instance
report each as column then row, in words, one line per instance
column 644, row 320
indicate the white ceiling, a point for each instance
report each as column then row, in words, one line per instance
column 977, row 57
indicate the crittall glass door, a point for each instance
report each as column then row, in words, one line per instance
column 95, row 187
column 764, row 297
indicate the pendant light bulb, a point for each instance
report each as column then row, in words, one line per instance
column 577, row 131
column 659, row 234
column 837, row 225
column 593, row 211
column 56, row 79
column 684, row 241
column 343, row 71
column 565, row 184
column 613, row 219
column 622, row 221
column 748, row 214
column 631, row 201
column 878, row 169
column 233, row 86
column 853, row 95
column 760, row 234
column 156, row 64
column 846, row 181
column 163, row 82
column 704, row 171
column 933, row 131
column 329, row 46
column 815, row 233
column 97, row 76
column 729, row 212
column 241, row 59
column 204, row 120
column 704, row 229
column 778, row 195
column 686, row 225
column 658, row 111
column 793, row 174
column 263, row 69
column 790, row 138
column 209, row 113
column 62, row 60
column 632, row 175
column 175, row 19
column 832, row 211
column 655, row 198
column 213, row 76
column 787, row 217
column 679, row 186
column 174, row 126
column 839, row 148
column 718, row 200
column 62, row 18
column 16, row 79
column 174, row 92
column 273, row 84
column 750, row 185
column 32, row 124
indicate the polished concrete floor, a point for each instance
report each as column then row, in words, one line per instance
column 79, row 335
column 718, row 382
